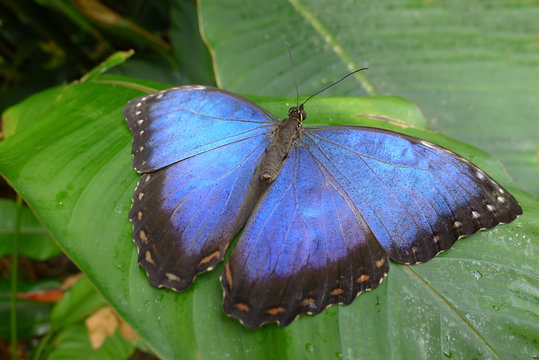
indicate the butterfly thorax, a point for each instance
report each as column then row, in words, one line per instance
column 283, row 139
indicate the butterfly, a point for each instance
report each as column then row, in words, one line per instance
column 322, row 209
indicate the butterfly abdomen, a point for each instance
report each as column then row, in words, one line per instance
column 283, row 139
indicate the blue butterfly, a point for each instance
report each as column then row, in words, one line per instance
column 322, row 208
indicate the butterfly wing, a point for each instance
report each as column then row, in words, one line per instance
column 174, row 124
column 417, row 197
column 346, row 198
column 306, row 247
column 198, row 148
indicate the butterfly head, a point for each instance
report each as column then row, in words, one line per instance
column 298, row 113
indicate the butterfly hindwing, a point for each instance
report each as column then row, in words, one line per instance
column 417, row 197
column 305, row 247
column 195, row 193
column 185, row 215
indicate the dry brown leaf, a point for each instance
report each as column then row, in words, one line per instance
column 101, row 324
column 104, row 323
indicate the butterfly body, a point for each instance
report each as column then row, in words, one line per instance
column 283, row 139
column 322, row 208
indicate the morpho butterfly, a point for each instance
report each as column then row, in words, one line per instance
column 322, row 208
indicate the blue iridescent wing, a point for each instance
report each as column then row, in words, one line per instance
column 306, row 246
column 198, row 148
column 417, row 197
column 177, row 123
column 346, row 198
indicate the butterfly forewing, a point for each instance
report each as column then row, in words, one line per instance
column 195, row 194
column 174, row 124
column 418, row 198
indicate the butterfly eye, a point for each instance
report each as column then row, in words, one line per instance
column 301, row 112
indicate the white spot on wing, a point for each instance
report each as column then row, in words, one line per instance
column 457, row 224
column 490, row 207
column 475, row 214
column 500, row 199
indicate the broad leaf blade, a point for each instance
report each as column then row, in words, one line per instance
column 470, row 66
column 73, row 165
column 34, row 242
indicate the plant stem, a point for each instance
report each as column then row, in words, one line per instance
column 14, row 273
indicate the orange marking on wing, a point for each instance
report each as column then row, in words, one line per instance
column 228, row 275
column 172, row 277
column 336, row 292
column 275, row 311
column 380, row 262
column 307, row 302
column 209, row 258
column 149, row 259
column 363, row 278
column 143, row 237
column 242, row 307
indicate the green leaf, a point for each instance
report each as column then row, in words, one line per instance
column 80, row 301
column 73, row 166
column 32, row 316
column 187, row 47
column 470, row 66
column 112, row 61
column 34, row 242
column 67, row 318
column 73, row 343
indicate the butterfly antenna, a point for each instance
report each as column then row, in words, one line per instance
column 293, row 73
column 335, row 83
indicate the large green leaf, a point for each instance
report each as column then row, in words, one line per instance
column 34, row 242
column 72, row 163
column 471, row 66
